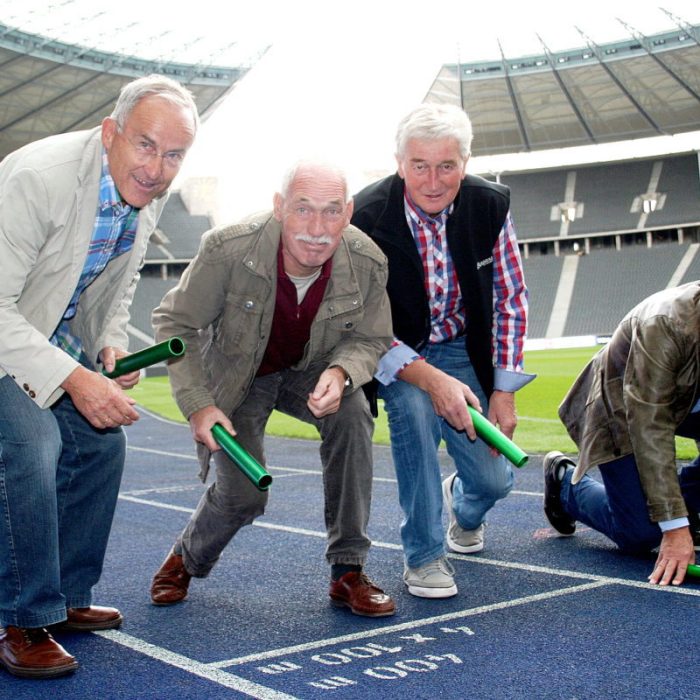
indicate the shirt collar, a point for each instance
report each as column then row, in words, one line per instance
column 109, row 196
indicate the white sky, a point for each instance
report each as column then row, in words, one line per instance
column 339, row 75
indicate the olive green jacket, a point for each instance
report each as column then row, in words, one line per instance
column 49, row 192
column 224, row 304
column 636, row 391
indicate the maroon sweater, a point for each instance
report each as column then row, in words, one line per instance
column 291, row 324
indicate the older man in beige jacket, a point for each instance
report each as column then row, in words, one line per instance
column 76, row 212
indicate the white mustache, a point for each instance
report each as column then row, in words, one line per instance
column 314, row 240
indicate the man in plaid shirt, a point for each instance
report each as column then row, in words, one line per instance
column 76, row 213
column 459, row 310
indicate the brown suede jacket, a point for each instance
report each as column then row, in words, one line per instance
column 633, row 395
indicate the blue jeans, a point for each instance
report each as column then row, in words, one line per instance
column 59, row 482
column 416, row 432
column 618, row 506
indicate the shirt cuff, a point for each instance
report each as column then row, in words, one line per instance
column 508, row 380
column 393, row 361
column 674, row 524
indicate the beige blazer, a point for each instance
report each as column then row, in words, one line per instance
column 49, row 191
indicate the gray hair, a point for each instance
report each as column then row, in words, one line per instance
column 432, row 121
column 322, row 165
column 135, row 91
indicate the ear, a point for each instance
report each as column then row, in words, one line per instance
column 277, row 206
column 399, row 166
column 464, row 167
column 349, row 208
column 109, row 131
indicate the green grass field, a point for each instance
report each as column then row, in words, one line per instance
column 539, row 429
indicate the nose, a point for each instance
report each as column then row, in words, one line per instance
column 154, row 167
column 433, row 178
column 316, row 224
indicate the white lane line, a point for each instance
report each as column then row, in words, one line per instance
column 163, row 489
column 206, row 671
column 163, row 453
column 157, row 504
column 291, row 470
column 533, row 568
column 413, row 624
column 274, row 467
column 212, row 672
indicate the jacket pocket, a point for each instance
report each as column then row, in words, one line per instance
column 342, row 318
column 238, row 328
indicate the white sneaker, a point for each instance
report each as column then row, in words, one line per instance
column 432, row 580
column 459, row 539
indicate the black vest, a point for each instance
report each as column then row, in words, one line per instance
column 479, row 213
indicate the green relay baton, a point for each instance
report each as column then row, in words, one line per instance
column 241, row 458
column 694, row 570
column 492, row 436
column 174, row 347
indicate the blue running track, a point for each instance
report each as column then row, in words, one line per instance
column 537, row 616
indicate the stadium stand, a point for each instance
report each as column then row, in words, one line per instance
column 542, row 274
column 606, row 198
column 693, row 271
column 149, row 291
column 594, row 238
column 178, row 233
column 532, row 197
column 48, row 86
column 172, row 246
column 680, row 185
column 607, row 283
column 607, row 192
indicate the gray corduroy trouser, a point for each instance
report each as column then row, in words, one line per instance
column 232, row 501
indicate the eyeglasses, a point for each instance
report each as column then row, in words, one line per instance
column 146, row 152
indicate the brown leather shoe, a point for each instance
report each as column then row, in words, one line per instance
column 355, row 591
column 171, row 581
column 89, row 619
column 33, row 653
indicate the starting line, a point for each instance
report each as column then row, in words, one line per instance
column 329, row 657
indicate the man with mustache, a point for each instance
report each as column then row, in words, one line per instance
column 286, row 310
column 76, row 213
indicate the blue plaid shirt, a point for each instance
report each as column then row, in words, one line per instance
column 113, row 235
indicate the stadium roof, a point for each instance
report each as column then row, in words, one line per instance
column 48, row 86
column 62, row 63
column 646, row 86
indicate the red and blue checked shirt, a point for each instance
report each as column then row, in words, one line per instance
column 448, row 315
column 113, row 235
